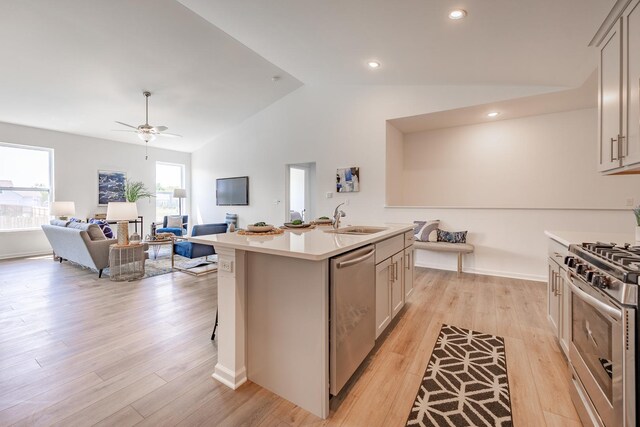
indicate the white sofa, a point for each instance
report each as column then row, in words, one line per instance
column 81, row 243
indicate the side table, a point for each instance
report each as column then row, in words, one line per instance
column 156, row 245
column 126, row 262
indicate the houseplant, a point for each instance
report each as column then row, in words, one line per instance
column 636, row 212
column 136, row 190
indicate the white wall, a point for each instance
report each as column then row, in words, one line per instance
column 340, row 126
column 543, row 161
column 77, row 160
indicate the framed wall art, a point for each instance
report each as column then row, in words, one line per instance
column 111, row 187
column 348, row 180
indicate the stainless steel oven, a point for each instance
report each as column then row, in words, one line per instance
column 602, row 355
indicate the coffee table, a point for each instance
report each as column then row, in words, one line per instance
column 155, row 245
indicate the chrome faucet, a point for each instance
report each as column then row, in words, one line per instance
column 337, row 214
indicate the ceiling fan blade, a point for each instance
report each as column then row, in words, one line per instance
column 124, row 124
column 171, row 135
column 124, row 130
column 160, row 128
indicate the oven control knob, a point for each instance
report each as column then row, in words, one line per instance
column 581, row 268
column 589, row 275
column 600, row 281
column 570, row 261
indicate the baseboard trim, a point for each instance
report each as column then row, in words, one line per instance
column 25, row 255
column 229, row 378
column 485, row 272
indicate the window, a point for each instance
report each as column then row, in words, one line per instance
column 169, row 176
column 25, row 186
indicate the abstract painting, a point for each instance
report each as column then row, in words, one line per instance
column 111, row 187
column 348, row 180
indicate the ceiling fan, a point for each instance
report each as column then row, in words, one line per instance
column 146, row 132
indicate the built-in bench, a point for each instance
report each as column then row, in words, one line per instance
column 460, row 248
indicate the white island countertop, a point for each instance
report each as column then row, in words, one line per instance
column 566, row 238
column 315, row 244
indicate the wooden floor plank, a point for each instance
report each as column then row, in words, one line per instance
column 82, row 350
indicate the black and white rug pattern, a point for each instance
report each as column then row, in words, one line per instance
column 465, row 383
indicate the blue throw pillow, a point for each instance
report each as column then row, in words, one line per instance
column 452, row 236
column 108, row 233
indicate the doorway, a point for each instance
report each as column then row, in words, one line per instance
column 300, row 191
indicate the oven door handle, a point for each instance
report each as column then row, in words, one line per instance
column 594, row 302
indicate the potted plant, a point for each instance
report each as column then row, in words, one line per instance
column 636, row 212
column 136, row 190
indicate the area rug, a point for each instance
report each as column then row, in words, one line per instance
column 465, row 383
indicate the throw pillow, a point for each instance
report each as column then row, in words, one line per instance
column 93, row 230
column 59, row 222
column 174, row 221
column 106, row 230
column 452, row 236
column 417, row 226
column 424, row 235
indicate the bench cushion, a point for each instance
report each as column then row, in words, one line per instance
column 465, row 248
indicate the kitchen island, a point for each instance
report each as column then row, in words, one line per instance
column 273, row 308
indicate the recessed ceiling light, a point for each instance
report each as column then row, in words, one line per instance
column 493, row 114
column 373, row 64
column 457, row 14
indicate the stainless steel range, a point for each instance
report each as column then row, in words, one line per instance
column 604, row 312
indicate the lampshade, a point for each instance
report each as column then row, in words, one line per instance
column 63, row 208
column 122, row 211
column 179, row 193
column 146, row 136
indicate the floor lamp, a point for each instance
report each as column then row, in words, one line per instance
column 180, row 193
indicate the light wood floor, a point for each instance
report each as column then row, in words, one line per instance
column 76, row 350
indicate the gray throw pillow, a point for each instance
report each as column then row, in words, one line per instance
column 417, row 226
column 452, row 236
column 93, row 230
column 174, row 221
column 427, row 229
column 59, row 222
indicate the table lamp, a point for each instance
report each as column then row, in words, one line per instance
column 63, row 209
column 180, row 193
column 123, row 212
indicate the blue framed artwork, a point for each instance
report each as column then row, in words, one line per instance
column 348, row 180
column 111, row 187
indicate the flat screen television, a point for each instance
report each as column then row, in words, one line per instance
column 232, row 191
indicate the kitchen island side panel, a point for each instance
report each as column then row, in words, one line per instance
column 288, row 328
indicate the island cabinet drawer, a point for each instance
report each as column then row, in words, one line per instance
column 409, row 238
column 388, row 247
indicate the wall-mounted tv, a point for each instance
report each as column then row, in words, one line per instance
column 232, row 191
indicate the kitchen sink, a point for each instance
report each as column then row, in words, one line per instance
column 357, row 229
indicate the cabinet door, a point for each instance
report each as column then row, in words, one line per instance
column 409, row 273
column 383, row 295
column 631, row 85
column 552, row 297
column 397, row 283
column 609, row 99
column 564, row 297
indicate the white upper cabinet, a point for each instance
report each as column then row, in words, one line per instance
column 619, row 91
column 609, row 99
column 631, row 84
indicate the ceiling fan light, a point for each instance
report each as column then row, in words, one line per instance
column 146, row 137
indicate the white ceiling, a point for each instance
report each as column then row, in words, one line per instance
column 78, row 65
column 526, row 42
column 584, row 96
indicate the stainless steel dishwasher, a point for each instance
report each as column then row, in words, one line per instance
column 352, row 333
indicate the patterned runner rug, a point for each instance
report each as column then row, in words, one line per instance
column 465, row 383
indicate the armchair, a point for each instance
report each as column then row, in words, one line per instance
column 177, row 231
column 191, row 250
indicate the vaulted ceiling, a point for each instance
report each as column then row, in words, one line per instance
column 79, row 65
